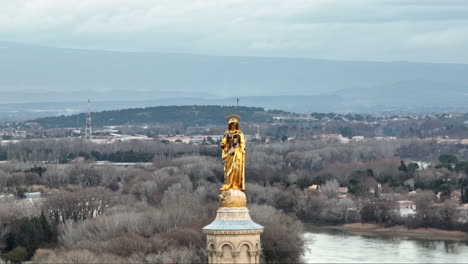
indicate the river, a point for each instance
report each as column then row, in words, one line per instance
column 336, row 246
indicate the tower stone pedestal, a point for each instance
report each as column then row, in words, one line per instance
column 233, row 237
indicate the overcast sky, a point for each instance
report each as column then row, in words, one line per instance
column 377, row 30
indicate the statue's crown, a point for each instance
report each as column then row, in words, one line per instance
column 233, row 118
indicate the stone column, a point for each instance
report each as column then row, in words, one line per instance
column 233, row 237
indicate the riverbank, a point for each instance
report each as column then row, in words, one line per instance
column 418, row 233
column 325, row 244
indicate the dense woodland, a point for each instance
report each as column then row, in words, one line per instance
column 154, row 212
column 189, row 115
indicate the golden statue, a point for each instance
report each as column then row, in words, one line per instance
column 233, row 154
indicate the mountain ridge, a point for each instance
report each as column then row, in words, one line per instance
column 35, row 74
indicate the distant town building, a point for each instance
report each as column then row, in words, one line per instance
column 31, row 195
column 6, row 197
column 112, row 138
column 13, row 134
column 463, row 213
column 343, row 192
column 178, row 139
column 385, row 138
column 76, row 131
column 196, row 139
column 301, row 117
column 108, row 129
column 205, row 138
column 333, row 138
column 446, row 140
column 124, row 164
column 314, row 187
column 422, row 164
column 406, row 208
column 6, row 142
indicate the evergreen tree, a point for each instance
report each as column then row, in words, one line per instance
column 463, row 183
column 47, row 229
column 448, row 159
column 31, row 234
column 403, row 166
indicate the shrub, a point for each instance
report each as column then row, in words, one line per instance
column 282, row 238
column 17, row 255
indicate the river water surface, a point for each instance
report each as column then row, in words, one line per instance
column 336, row 246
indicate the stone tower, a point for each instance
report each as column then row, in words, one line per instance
column 233, row 237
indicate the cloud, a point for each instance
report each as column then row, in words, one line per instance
column 333, row 29
column 446, row 39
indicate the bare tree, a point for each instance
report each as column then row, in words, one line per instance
column 3, row 179
column 79, row 204
column 423, row 201
column 78, row 256
column 4, row 229
column 330, row 188
column 339, row 211
column 282, row 238
column 177, row 255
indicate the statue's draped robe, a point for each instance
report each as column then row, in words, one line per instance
column 234, row 163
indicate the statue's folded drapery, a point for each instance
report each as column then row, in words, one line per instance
column 233, row 154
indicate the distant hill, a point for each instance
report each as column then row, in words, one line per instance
column 112, row 80
column 189, row 115
column 406, row 96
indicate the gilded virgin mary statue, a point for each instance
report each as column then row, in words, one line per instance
column 233, row 154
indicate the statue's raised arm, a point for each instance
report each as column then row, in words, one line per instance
column 233, row 154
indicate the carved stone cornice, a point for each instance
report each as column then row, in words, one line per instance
column 233, row 232
column 253, row 253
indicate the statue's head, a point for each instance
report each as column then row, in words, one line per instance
column 233, row 122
